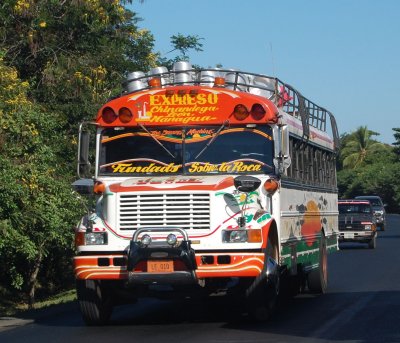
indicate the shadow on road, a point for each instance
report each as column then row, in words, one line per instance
column 329, row 317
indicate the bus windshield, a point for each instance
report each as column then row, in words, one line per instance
column 354, row 208
column 188, row 150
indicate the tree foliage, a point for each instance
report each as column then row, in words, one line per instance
column 59, row 62
column 368, row 167
column 36, row 204
column 396, row 144
column 182, row 44
column 357, row 146
column 74, row 53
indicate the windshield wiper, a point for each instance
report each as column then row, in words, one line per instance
column 223, row 126
column 156, row 140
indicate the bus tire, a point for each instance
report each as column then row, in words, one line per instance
column 317, row 278
column 95, row 302
column 262, row 295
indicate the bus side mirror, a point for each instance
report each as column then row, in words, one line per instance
column 83, row 153
column 282, row 154
column 83, row 186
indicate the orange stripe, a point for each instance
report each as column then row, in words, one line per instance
column 241, row 266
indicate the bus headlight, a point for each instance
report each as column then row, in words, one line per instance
column 95, row 238
column 367, row 227
column 242, row 236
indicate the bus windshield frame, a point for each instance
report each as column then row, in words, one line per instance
column 190, row 150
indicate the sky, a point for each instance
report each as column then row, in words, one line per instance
column 343, row 55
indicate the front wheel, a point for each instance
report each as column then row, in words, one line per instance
column 95, row 302
column 372, row 243
column 318, row 278
column 263, row 293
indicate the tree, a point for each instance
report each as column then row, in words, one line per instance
column 74, row 53
column 36, row 203
column 357, row 146
column 397, row 142
column 59, row 62
column 182, row 44
column 376, row 173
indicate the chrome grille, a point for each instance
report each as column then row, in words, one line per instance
column 188, row 211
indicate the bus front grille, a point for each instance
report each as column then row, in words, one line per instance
column 188, row 211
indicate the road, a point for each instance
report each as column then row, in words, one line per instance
column 362, row 305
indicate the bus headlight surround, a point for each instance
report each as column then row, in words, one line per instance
column 242, row 236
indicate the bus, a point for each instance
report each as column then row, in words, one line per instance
column 205, row 181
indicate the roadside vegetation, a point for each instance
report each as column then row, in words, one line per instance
column 59, row 62
column 369, row 167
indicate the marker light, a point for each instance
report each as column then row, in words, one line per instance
column 171, row 239
column 146, row 240
column 108, row 115
column 154, row 82
column 254, row 236
column 79, row 239
column 219, row 82
column 271, row 186
column 125, row 115
column 99, row 187
column 257, row 112
column 240, row 112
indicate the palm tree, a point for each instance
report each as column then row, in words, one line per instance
column 357, row 146
column 396, row 144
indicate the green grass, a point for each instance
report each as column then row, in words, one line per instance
column 9, row 308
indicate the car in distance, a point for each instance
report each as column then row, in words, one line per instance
column 357, row 222
column 378, row 207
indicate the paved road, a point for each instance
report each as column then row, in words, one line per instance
column 362, row 305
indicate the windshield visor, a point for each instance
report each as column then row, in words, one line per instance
column 189, row 150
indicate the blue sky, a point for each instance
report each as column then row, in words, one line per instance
column 342, row 54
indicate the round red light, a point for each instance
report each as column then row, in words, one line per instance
column 125, row 115
column 240, row 112
column 108, row 115
column 257, row 112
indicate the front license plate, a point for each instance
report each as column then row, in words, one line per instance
column 348, row 235
column 160, row 266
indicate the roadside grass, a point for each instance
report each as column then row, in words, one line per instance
column 10, row 308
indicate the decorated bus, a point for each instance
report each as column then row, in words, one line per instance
column 205, row 181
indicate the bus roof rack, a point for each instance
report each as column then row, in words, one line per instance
column 284, row 96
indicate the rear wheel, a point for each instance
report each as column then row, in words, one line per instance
column 95, row 302
column 318, row 278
